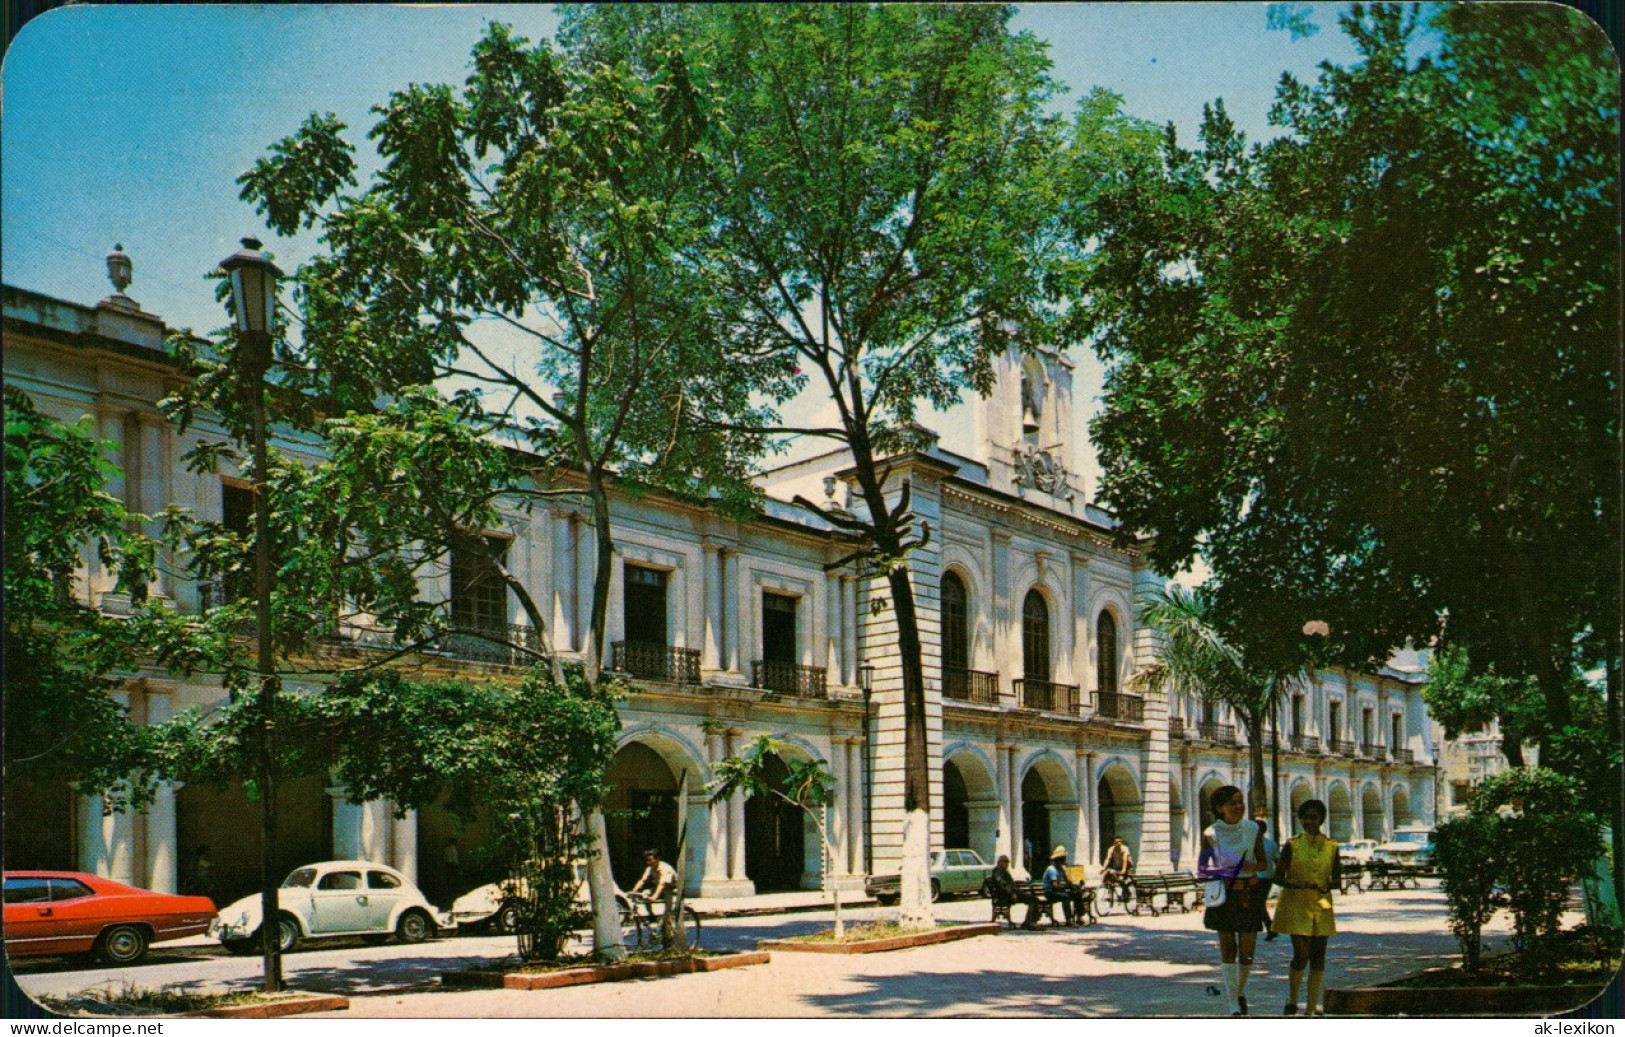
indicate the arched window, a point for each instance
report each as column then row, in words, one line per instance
column 1106, row 643
column 955, row 625
column 1035, row 637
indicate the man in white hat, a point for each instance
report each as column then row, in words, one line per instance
column 1062, row 890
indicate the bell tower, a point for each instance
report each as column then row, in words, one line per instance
column 1027, row 429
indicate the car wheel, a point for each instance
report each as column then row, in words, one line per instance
column 287, row 932
column 122, row 945
column 506, row 920
column 936, row 891
column 414, row 927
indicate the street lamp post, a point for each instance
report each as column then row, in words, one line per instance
column 253, row 293
column 866, row 677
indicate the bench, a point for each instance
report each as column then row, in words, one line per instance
column 1392, row 876
column 1032, row 894
column 1173, row 887
column 1353, row 875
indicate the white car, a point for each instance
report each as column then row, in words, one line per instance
column 334, row 898
column 496, row 904
column 1359, row 851
column 1412, row 844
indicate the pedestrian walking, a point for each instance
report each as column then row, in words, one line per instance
column 1232, row 856
column 1308, row 872
column 1272, row 852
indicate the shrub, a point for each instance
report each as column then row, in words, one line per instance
column 1464, row 849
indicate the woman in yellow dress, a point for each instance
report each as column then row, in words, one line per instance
column 1307, row 873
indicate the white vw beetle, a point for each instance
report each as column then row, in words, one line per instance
column 335, row 898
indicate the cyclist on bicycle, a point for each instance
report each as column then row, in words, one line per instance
column 1119, row 863
column 661, row 879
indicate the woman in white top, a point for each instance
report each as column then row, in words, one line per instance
column 1233, row 855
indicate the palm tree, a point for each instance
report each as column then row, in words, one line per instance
column 1192, row 654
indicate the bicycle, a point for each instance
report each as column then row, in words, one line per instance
column 1119, row 893
column 643, row 929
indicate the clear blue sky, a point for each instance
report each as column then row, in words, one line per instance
column 130, row 124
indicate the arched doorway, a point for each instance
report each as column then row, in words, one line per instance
column 640, row 812
column 775, row 839
column 1376, row 825
column 214, row 815
column 1301, row 794
column 970, row 805
column 1049, row 811
column 1340, row 811
column 1204, row 801
column 1035, row 637
column 1120, row 809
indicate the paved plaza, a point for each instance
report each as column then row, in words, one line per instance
column 1126, row 966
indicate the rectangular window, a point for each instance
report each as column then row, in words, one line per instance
column 1334, row 720
column 1368, row 732
column 1397, row 732
column 237, row 515
column 1297, row 716
column 779, row 628
column 479, row 598
column 644, row 609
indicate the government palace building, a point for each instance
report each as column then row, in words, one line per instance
column 729, row 630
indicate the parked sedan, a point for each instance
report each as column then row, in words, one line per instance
column 1412, row 844
column 952, row 871
column 67, row 912
column 335, row 898
column 1359, row 851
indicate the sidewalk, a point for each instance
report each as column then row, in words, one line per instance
column 775, row 903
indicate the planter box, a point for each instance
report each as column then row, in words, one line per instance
column 1499, row 1001
column 889, row 943
column 599, row 973
column 297, row 1005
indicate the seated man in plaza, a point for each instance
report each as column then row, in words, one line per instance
column 1059, row 889
column 1000, row 887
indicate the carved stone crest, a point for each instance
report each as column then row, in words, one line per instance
column 1038, row 470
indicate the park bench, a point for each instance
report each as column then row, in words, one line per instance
column 1353, row 875
column 1385, row 875
column 1032, row 894
column 1177, row 889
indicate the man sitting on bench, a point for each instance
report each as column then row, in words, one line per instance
column 1060, row 889
column 1001, row 888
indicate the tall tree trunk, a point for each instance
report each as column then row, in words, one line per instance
column 916, row 870
column 603, row 571
column 1511, row 747
column 1275, row 776
column 606, row 913
column 1616, row 729
column 1257, row 787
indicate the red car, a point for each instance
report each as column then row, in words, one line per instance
column 67, row 912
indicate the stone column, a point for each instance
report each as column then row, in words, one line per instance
column 1083, row 846
column 739, row 880
column 404, row 845
column 1089, row 796
column 729, row 563
column 347, row 826
column 107, row 839
column 836, row 818
column 154, row 494
column 586, row 562
column 1012, row 786
column 163, row 849
column 1001, row 787
column 833, row 628
column 711, row 577
column 715, row 874
column 849, row 631
column 564, row 581
column 854, row 806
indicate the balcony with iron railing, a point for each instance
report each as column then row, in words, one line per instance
column 510, row 644
column 1303, row 743
column 1032, row 693
column 971, row 686
column 1176, row 727
column 1115, row 705
column 1342, row 747
column 1373, row 751
column 1404, row 756
column 789, row 678
column 656, row 662
column 1224, row 734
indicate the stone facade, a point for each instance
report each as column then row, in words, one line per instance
column 731, row 630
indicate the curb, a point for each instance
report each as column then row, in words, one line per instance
column 1498, row 1002
column 297, row 1005
column 599, row 973
column 890, row 943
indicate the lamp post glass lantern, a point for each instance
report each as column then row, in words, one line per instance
column 253, row 296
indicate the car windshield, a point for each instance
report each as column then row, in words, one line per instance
column 1419, row 838
column 300, row 878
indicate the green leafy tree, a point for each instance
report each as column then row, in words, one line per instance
column 1369, row 368
column 807, row 785
column 877, row 189
column 1464, row 850
column 534, row 236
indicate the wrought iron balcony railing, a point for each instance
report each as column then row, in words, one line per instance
column 1225, row 734
column 509, row 644
column 1115, row 705
column 1404, row 756
column 971, row 686
column 654, row 662
column 789, row 678
column 1342, row 747
column 1176, row 727
column 1304, row 743
column 1373, row 751
column 1046, row 695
